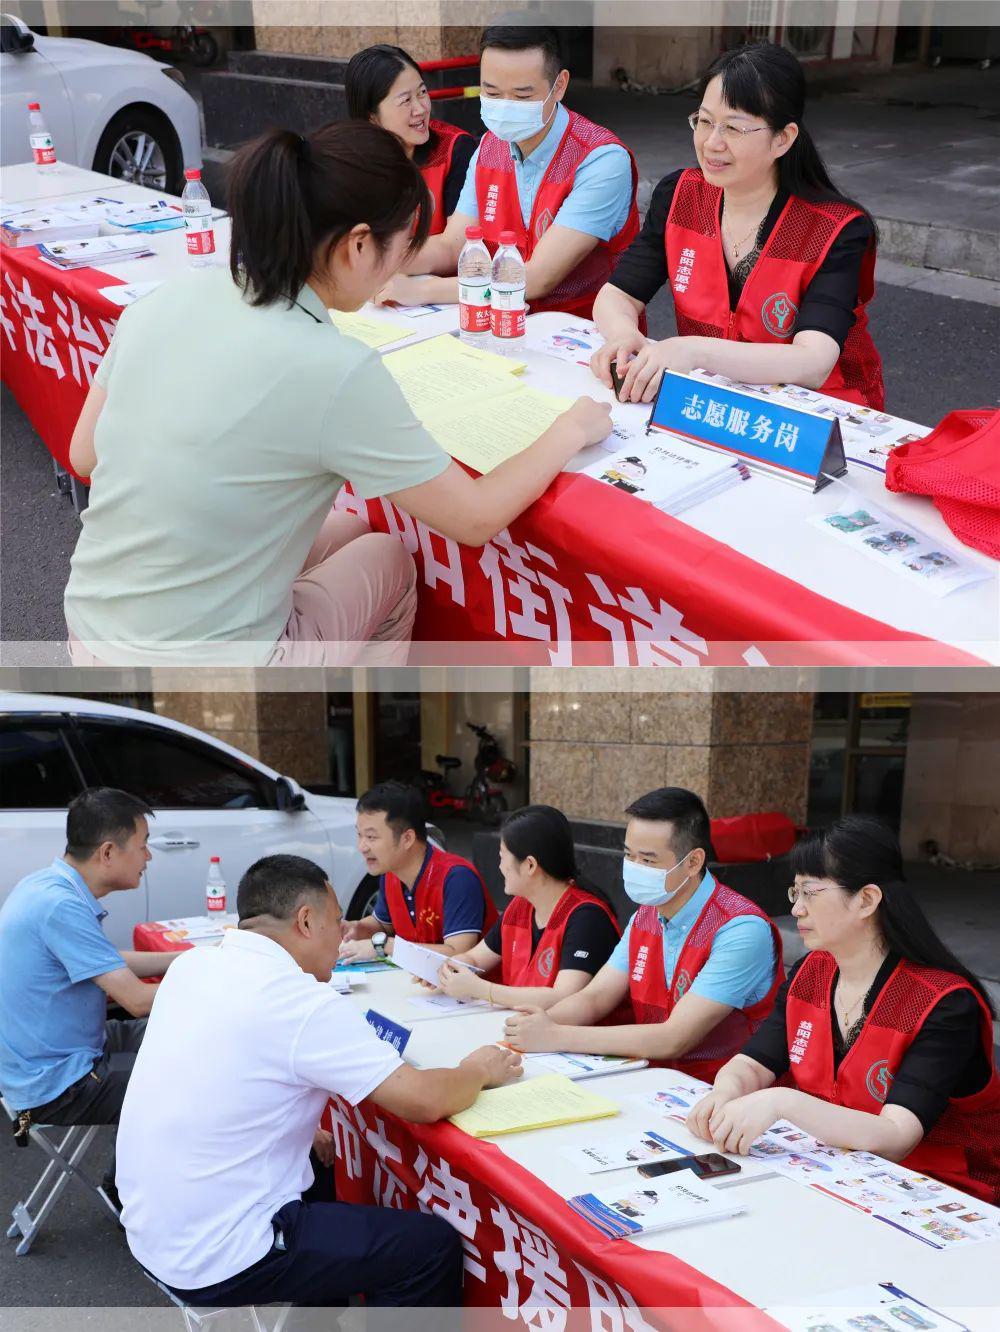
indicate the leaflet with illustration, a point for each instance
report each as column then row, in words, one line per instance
column 671, row 474
column 881, row 1307
column 641, row 1206
column 922, row 560
column 193, row 929
column 577, row 1066
column 619, row 1153
column 99, row 251
column 676, row 1098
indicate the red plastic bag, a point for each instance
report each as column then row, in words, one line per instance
column 958, row 465
column 752, row 837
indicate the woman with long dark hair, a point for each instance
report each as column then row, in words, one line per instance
column 881, row 1039
column 384, row 84
column 554, row 935
column 769, row 265
column 230, row 410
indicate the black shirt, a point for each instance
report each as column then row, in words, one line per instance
column 461, row 156
column 589, row 940
column 828, row 302
column 946, row 1058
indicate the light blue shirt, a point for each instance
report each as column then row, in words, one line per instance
column 52, row 1015
column 740, row 968
column 599, row 201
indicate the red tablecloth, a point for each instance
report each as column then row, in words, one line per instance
column 588, row 577
column 523, row 1245
column 56, row 329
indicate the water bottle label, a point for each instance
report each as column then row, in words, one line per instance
column 473, row 308
column 215, row 901
column 507, row 313
column 200, row 236
column 42, row 149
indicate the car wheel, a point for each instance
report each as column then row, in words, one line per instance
column 140, row 146
column 363, row 901
column 204, row 50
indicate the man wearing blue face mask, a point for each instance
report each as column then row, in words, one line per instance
column 565, row 186
column 700, row 963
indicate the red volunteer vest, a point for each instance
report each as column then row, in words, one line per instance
column 521, row 964
column 963, row 1147
column 772, row 294
column 500, row 210
column 438, row 164
column 428, row 900
column 653, row 1002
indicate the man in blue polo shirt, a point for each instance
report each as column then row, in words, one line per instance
column 424, row 894
column 700, row 963
column 61, row 1060
column 565, row 186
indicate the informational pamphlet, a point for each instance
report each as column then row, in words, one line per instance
column 31, row 224
column 577, row 1066
column 620, row 1153
column 574, row 341
column 197, row 929
column 126, row 293
column 642, row 1206
column 343, row 982
column 882, row 1307
column 922, row 560
column 98, row 251
column 673, row 475
column 676, row 1098
column 443, row 1005
column 421, row 962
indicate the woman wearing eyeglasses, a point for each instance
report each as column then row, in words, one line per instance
column 770, row 266
column 880, row 1040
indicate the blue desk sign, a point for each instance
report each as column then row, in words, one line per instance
column 393, row 1033
column 799, row 446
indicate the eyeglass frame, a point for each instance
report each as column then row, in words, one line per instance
column 795, row 893
column 726, row 129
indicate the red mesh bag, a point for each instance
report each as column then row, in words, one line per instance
column 958, row 465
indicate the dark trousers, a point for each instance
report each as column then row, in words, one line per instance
column 323, row 1253
column 97, row 1098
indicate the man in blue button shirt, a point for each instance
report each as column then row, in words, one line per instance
column 61, row 1060
column 700, row 963
column 566, row 186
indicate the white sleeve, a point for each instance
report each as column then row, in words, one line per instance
column 337, row 1051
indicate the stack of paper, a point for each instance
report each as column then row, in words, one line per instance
column 158, row 216
column 578, row 1066
column 537, row 1103
column 655, row 1204
column 672, row 475
column 98, row 252
column 373, row 332
column 198, row 929
column 32, row 226
column 470, row 400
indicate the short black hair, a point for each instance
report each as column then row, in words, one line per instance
column 275, row 886
column 102, row 814
column 403, row 807
column 525, row 37
column 684, row 811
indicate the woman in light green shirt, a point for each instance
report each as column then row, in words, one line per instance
column 229, row 411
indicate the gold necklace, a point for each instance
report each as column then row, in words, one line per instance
column 736, row 244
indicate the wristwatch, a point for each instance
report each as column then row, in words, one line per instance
column 378, row 943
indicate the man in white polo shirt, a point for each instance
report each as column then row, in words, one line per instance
column 245, row 1045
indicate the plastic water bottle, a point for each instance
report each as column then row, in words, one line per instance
column 43, row 150
column 198, row 220
column 475, row 269
column 507, row 308
column 215, row 888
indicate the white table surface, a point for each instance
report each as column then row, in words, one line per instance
column 789, row 1246
column 766, row 519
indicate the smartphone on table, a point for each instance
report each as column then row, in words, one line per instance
column 709, row 1165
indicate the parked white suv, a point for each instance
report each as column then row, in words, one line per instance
column 109, row 110
column 210, row 800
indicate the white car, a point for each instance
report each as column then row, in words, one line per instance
column 109, row 110
column 210, row 800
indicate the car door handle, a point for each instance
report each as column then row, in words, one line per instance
column 168, row 843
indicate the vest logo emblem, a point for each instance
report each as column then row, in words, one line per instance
column 546, row 961
column 778, row 315
column 682, row 984
column 427, row 916
column 542, row 225
column 879, row 1080
column 640, row 963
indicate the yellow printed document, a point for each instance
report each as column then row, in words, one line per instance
column 484, row 433
column 446, row 350
column 440, row 373
column 536, row 1103
column 372, row 332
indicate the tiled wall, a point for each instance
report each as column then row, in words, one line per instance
column 593, row 753
column 416, row 25
column 951, row 790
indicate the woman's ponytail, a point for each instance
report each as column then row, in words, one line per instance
column 289, row 194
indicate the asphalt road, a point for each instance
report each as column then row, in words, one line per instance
column 939, row 353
